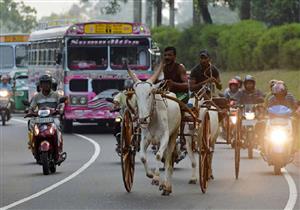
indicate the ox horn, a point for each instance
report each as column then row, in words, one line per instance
column 132, row 75
column 156, row 74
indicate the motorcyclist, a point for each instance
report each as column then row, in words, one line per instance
column 270, row 94
column 250, row 95
column 4, row 85
column 281, row 96
column 239, row 79
column 54, row 85
column 232, row 92
column 46, row 98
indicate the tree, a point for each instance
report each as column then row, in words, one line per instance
column 16, row 17
column 158, row 6
column 137, row 11
column 171, row 12
column 204, row 11
column 245, row 9
column 196, row 13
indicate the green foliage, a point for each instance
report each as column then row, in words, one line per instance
column 16, row 17
column 248, row 45
column 165, row 36
column 270, row 45
column 236, row 45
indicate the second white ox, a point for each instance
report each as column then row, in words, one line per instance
column 159, row 119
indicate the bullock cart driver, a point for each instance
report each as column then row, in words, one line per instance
column 175, row 74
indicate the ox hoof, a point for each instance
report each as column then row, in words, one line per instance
column 193, row 181
column 155, row 182
column 149, row 175
column 166, row 193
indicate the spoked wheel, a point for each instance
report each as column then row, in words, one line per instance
column 3, row 118
column 237, row 146
column 127, row 150
column 204, row 154
column 250, row 139
column 228, row 130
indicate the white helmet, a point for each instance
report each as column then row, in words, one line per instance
column 3, row 77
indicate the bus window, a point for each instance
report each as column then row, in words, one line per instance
column 21, row 55
column 137, row 55
column 6, row 57
column 87, row 57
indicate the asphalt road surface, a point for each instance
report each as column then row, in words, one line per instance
column 91, row 178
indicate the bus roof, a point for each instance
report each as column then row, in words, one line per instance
column 14, row 37
column 95, row 28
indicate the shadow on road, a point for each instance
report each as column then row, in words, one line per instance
column 92, row 129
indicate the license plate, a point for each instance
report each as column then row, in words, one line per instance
column 43, row 120
column 248, row 122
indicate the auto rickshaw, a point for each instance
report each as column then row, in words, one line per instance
column 20, row 89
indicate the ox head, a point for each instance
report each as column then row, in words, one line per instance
column 144, row 92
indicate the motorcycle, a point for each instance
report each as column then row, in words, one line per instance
column 251, row 117
column 46, row 141
column 5, row 106
column 278, row 143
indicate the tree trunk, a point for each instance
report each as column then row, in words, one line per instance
column 196, row 12
column 172, row 13
column 137, row 11
column 149, row 11
column 158, row 4
column 205, row 12
column 245, row 10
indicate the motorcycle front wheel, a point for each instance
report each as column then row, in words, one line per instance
column 3, row 117
column 45, row 163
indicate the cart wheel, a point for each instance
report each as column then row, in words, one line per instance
column 127, row 151
column 228, row 130
column 204, row 154
column 237, row 146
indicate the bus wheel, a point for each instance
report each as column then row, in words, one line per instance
column 67, row 126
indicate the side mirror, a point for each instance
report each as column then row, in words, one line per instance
column 25, row 102
column 63, row 99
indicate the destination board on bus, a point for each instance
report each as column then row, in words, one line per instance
column 14, row 38
column 108, row 28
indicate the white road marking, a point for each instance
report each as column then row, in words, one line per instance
column 52, row 187
column 292, row 188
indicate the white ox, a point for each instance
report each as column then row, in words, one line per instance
column 214, row 133
column 160, row 121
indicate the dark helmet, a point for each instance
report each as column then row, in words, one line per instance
column 249, row 78
column 45, row 78
column 238, row 78
column 38, row 89
column 54, row 84
column 128, row 83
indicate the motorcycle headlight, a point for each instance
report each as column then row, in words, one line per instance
column 51, row 130
column 3, row 93
column 118, row 119
column 44, row 113
column 278, row 136
column 36, row 130
column 249, row 115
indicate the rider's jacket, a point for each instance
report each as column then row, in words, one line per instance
column 231, row 95
column 40, row 100
column 250, row 97
column 289, row 101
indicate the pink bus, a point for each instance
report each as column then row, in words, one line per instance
column 87, row 61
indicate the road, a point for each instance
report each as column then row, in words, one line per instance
column 90, row 178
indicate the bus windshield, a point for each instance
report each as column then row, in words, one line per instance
column 136, row 54
column 86, row 57
column 21, row 55
column 6, row 57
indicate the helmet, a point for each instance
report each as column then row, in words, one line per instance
column 233, row 81
column 4, row 77
column 45, row 78
column 54, row 84
column 128, row 83
column 279, row 89
column 249, row 78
